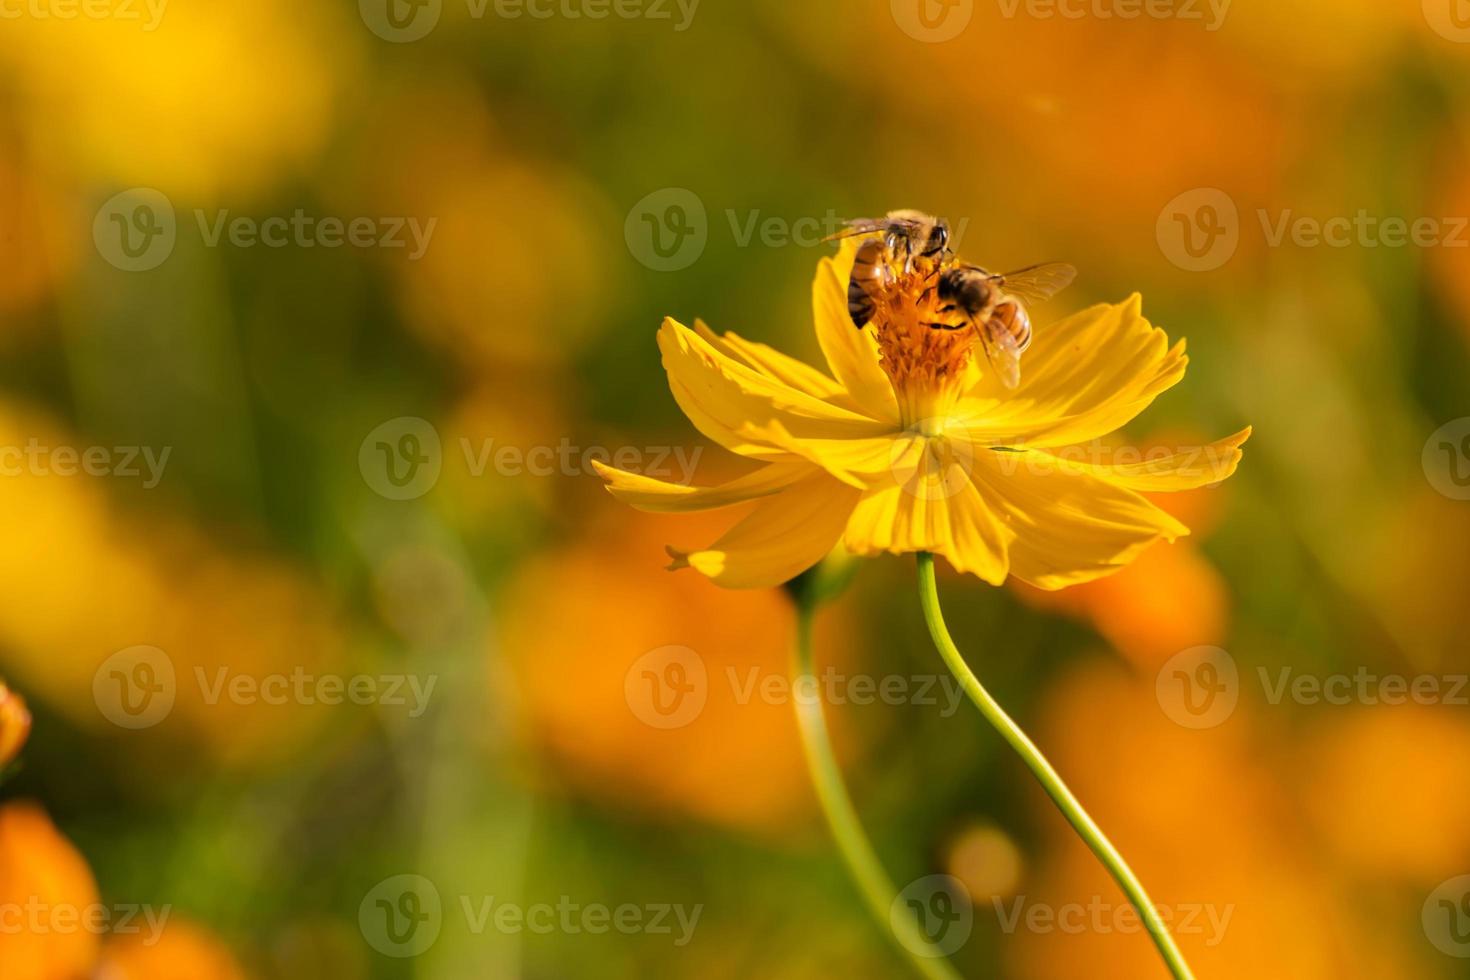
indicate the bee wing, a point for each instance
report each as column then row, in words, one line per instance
column 1036, row 283
column 1003, row 353
column 871, row 226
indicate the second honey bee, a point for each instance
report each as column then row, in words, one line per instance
column 993, row 305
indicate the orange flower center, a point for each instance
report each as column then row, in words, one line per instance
column 928, row 366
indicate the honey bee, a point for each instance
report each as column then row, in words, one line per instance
column 905, row 240
column 992, row 303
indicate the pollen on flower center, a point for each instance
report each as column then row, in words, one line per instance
column 927, row 366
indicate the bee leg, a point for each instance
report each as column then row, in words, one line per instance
column 946, row 326
column 893, row 244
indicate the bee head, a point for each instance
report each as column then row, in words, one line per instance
column 938, row 238
column 967, row 288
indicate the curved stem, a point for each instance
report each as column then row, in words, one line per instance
column 857, row 851
column 1085, row 826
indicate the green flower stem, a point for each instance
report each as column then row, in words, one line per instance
column 857, row 851
column 1085, row 826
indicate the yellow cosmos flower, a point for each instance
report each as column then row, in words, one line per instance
column 910, row 446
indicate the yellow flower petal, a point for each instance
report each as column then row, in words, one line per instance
column 857, row 462
column 661, row 497
column 769, row 361
column 782, row 537
column 1070, row 526
column 852, row 354
column 1185, row 469
column 933, row 506
column 1082, row 378
column 722, row 397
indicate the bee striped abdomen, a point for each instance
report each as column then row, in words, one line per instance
column 864, row 281
column 1010, row 317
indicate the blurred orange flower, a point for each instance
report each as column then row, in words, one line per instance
column 45, row 890
column 105, row 582
column 1384, row 787
column 1205, row 816
column 436, row 152
column 48, row 896
column 182, row 951
column 1170, row 599
column 593, row 632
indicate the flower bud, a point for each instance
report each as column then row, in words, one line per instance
column 15, row 724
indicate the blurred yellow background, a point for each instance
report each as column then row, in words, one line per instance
column 314, row 315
